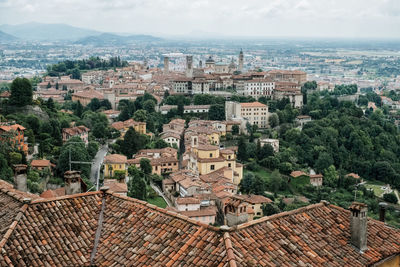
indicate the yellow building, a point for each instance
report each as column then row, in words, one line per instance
column 123, row 126
column 205, row 159
column 114, row 162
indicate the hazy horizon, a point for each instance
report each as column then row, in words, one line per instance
column 256, row 19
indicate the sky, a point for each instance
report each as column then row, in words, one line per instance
column 230, row 18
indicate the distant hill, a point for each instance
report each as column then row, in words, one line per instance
column 111, row 39
column 5, row 37
column 41, row 31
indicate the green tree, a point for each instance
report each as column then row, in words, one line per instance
column 6, row 172
column 273, row 120
column 265, row 151
column 235, row 129
column 92, row 149
column 78, row 150
column 149, row 106
column 50, row 104
column 94, row 104
column 79, row 109
column 140, row 115
column 33, row 182
column 242, row 149
column 21, row 92
column 136, row 186
column 330, row 176
column 270, row 209
column 390, row 197
column 145, row 166
column 76, row 74
column 15, row 158
column 217, row 112
column 132, row 142
column 160, row 143
column 323, row 162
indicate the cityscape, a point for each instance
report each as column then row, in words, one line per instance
column 250, row 139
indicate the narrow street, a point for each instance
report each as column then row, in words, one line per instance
column 97, row 161
column 161, row 194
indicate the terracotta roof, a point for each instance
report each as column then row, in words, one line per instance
column 5, row 94
column 296, row 174
column 106, row 229
column 115, row 186
column 90, row 94
column 14, row 127
column 207, row 147
column 254, row 199
column 354, row 175
column 187, row 200
column 199, row 213
column 76, row 130
column 119, row 125
column 40, row 163
column 316, row 235
column 115, row 158
column 252, row 105
column 53, row 193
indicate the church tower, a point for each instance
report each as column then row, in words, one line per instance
column 241, row 60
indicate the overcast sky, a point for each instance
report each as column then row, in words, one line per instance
column 264, row 18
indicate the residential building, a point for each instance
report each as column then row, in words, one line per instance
column 113, row 163
column 297, row 76
column 84, row 97
column 204, row 159
column 318, row 234
column 41, row 164
column 123, row 126
column 120, row 188
column 259, row 87
column 272, row 142
column 171, row 138
column 160, row 165
column 303, row 119
column 206, row 215
column 256, row 202
column 79, row 131
column 316, row 179
column 13, row 133
column 187, row 203
column 254, row 113
column 295, row 96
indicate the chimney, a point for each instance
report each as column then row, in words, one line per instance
column 166, row 65
column 358, row 225
column 73, row 182
column 189, row 66
column 382, row 211
column 20, row 177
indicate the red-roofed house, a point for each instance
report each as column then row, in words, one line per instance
column 81, row 131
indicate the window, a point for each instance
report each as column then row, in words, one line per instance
column 212, row 167
column 229, row 165
column 211, row 155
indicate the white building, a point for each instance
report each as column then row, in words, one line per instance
column 272, row 142
column 255, row 113
column 259, row 87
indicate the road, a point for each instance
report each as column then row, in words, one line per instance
column 97, row 161
column 161, row 194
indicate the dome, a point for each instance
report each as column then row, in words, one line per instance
column 210, row 60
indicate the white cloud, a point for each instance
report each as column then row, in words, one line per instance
column 345, row 18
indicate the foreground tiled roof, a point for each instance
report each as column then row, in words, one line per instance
column 106, row 229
